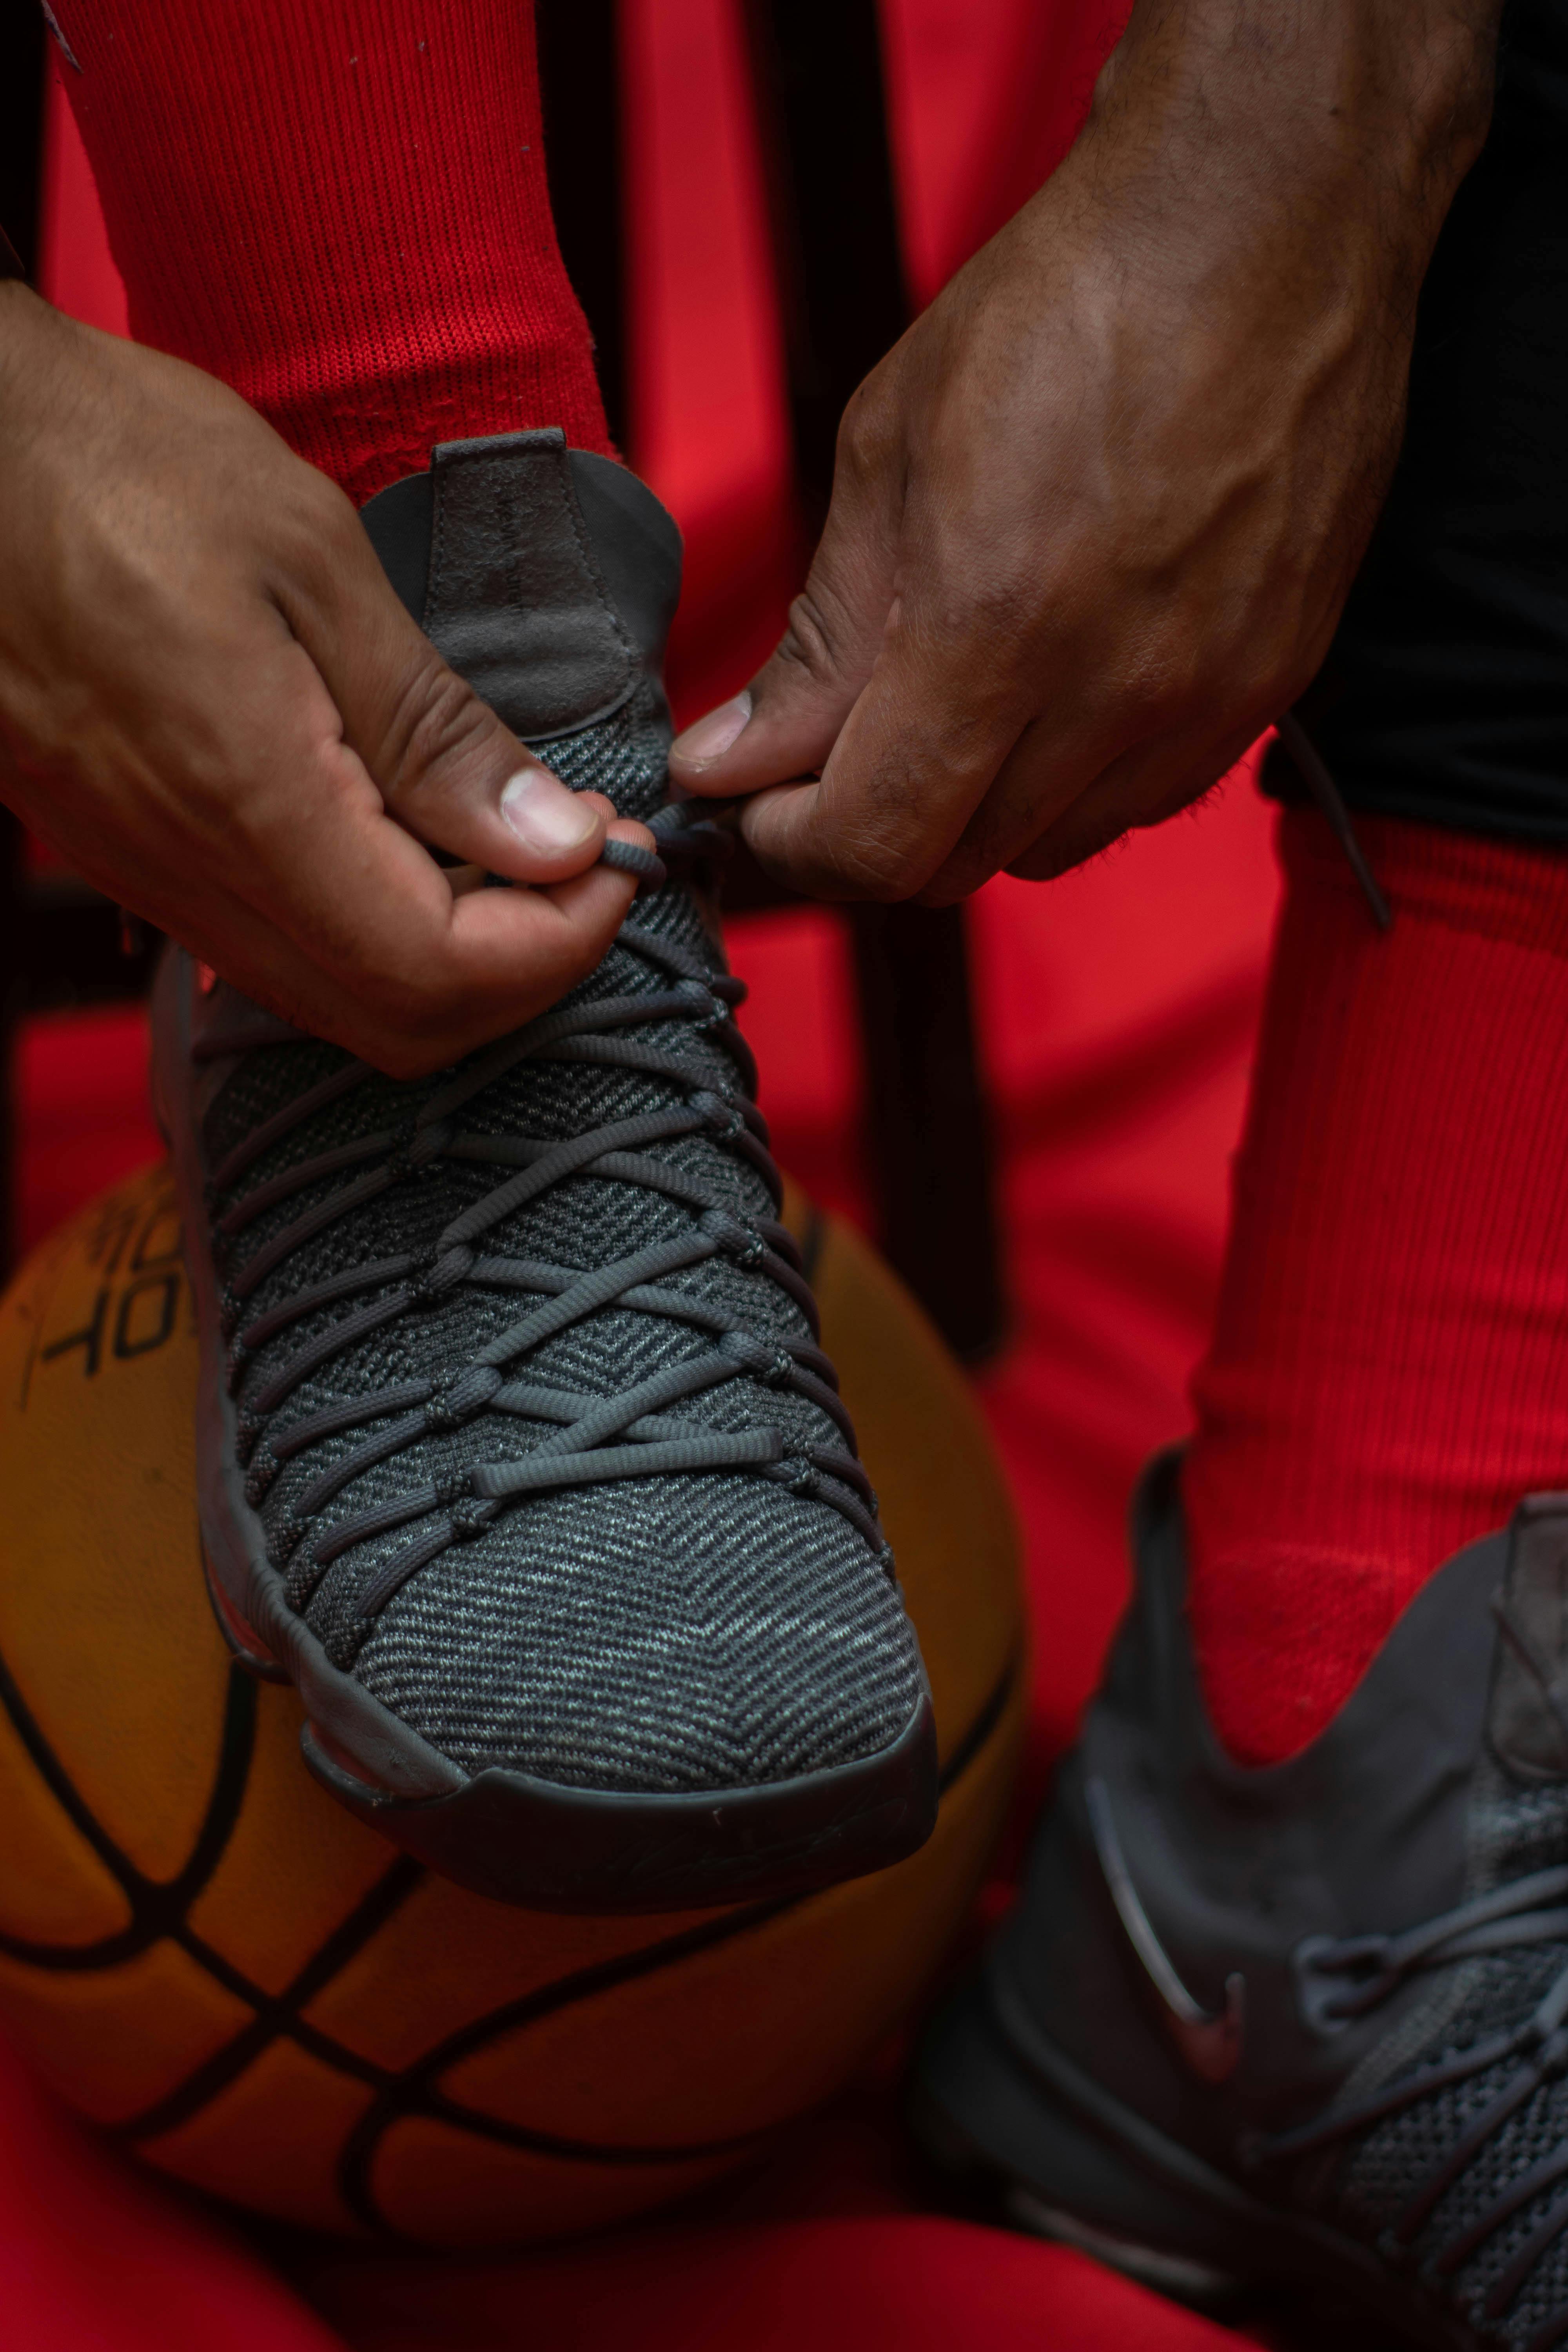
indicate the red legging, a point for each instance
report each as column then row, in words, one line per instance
column 339, row 207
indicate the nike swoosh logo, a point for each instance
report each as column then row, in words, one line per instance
column 1208, row 2040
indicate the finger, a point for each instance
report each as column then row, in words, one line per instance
column 350, row 927
column 445, row 767
column 388, row 960
column 461, row 879
column 1055, row 762
column 1145, row 786
column 948, row 697
column 786, row 721
column 1123, row 736
column 408, row 977
column 410, row 973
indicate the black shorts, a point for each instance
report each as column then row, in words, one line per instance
column 1444, row 695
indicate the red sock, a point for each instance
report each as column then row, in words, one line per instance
column 339, row 207
column 1389, row 1368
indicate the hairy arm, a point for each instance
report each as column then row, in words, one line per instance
column 1094, row 518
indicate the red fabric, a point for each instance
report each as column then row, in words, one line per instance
column 1389, row 1370
column 985, row 101
column 341, row 210
column 1117, row 1011
column 97, row 2258
column 926, row 2285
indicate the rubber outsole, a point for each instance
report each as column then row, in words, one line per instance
column 994, row 2098
column 559, row 1849
column 551, row 1848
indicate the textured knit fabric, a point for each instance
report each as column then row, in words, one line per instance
column 672, row 1632
column 1470, row 2244
column 341, row 212
column 1389, row 1368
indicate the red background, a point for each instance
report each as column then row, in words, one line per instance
column 1116, row 1009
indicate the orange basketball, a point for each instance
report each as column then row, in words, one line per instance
column 208, row 1955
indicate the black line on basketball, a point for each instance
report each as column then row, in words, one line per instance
column 528, row 2137
column 236, row 1748
column 413, row 2091
column 605, row 1975
column 602, row 1976
column 157, row 1906
column 278, row 2014
column 980, row 1730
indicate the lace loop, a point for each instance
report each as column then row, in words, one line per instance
column 1521, row 1913
column 459, row 1395
column 446, row 1270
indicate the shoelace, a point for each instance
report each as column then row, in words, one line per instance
column 595, row 1438
column 1345, row 1976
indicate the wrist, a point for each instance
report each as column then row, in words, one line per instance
column 1332, row 127
column 19, row 303
column 25, row 319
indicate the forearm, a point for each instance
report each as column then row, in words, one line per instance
column 1224, row 131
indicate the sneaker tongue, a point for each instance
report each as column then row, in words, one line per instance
column 1528, row 1715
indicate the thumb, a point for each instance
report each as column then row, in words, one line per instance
column 785, row 723
column 445, row 767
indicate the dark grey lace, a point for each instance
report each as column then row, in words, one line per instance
column 1345, row 1976
column 595, row 1438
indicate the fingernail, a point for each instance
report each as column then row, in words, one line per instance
column 711, row 737
column 545, row 817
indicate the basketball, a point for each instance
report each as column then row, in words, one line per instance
column 218, row 1964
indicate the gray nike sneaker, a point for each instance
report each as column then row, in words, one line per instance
column 1304, row 2025
column 516, row 1451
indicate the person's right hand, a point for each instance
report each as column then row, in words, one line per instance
column 214, row 706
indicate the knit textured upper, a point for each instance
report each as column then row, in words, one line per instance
column 1464, row 2180
column 701, row 1629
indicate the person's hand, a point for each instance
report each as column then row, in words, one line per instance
column 214, row 706
column 1094, row 518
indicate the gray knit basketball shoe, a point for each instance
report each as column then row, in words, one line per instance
column 516, row 1449
column 1308, row 2023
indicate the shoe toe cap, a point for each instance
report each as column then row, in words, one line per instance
column 686, row 1636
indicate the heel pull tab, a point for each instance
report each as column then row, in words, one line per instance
column 516, row 601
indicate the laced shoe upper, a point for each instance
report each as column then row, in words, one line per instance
column 1448, row 2147
column 531, row 1406
column 1382, row 1923
column 1451, row 2151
